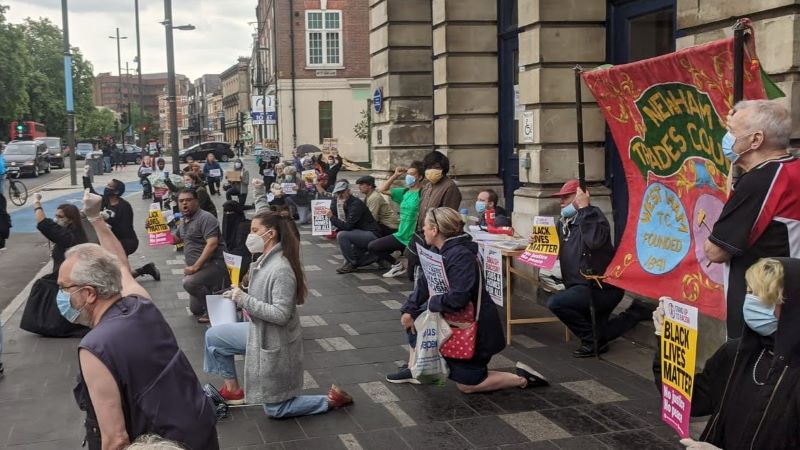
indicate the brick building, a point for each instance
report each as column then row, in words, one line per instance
column 198, row 108
column 324, row 93
column 236, row 98
column 216, row 115
column 182, row 88
column 456, row 75
column 106, row 90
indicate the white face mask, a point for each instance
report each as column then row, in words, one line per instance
column 255, row 243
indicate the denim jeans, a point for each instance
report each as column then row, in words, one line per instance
column 106, row 165
column 354, row 244
column 302, row 405
column 223, row 342
column 303, row 214
column 571, row 306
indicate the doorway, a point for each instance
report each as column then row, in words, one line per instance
column 508, row 104
column 637, row 29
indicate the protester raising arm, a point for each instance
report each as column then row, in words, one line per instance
column 386, row 187
column 91, row 207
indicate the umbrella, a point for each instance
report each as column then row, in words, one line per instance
column 307, row 148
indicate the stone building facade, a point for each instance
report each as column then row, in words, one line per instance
column 460, row 76
column 235, row 82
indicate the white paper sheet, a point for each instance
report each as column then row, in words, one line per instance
column 220, row 310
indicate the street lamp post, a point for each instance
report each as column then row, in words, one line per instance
column 73, row 174
column 139, row 72
column 119, row 72
column 173, row 107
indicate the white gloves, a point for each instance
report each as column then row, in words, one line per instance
column 658, row 315
column 37, row 197
column 234, row 294
column 691, row 444
column 91, row 205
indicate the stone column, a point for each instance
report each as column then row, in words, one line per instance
column 400, row 65
column 555, row 35
column 465, row 95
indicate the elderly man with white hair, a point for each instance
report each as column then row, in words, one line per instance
column 134, row 379
column 762, row 215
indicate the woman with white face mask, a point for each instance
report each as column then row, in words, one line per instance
column 272, row 341
column 749, row 386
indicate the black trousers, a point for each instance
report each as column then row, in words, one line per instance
column 571, row 306
column 384, row 247
column 213, row 185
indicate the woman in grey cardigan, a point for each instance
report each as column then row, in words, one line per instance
column 272, row 342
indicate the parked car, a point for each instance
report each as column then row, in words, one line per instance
column 55, row 150
column 221, row 150
column 83, row 149
column 133, row 154
column 26, row 158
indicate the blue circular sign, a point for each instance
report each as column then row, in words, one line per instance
column 377, row 100
column 663, row 235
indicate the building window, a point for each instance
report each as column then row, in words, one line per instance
column 323, row 38
column 325, row 120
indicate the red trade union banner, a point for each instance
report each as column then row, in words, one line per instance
column 667, row 116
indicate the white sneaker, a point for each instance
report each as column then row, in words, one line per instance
column 396, row 271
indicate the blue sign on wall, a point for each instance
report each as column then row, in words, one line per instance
column 377, row 100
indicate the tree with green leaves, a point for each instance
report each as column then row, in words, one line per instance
column 100, row 122
column 14, row 70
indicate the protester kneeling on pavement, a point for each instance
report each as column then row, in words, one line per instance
column 205, row 271
column 408, row 199
column 749, row 385
column 380, row 209
column 443, row 231
column 585, row 250
column 355, row 230
column 237, row 182
column 272, row 341
column 127, row 390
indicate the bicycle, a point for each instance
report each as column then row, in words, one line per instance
column 17, row 191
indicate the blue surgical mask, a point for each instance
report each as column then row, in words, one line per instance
column 65, row 307
column 410, row 180
column 480, row 207
column 728, row 141
column 569, row 211
column 758, row 316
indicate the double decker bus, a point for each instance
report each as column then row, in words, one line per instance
column 27, row 130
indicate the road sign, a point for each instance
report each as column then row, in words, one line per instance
column 526, row 127
column 258, row 103
column 257, row 117
column 377, row 100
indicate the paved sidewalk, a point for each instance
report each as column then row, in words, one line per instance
column 352, row 337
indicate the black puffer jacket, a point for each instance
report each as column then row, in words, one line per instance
column 745, row 415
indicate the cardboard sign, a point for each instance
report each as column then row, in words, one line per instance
column 310, row 177
column 493, row 271
column 158, row 233
column 542, row 252
column 234, row 176
column 234, row 265
column 330, row 146
column 289, row 188
column 320, row 224
column 678, row 355
column 433, row 268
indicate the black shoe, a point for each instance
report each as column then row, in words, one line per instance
column 587, row 350
column 346, row 268
column 535, row 379
column 401, row 376
column 1, row 370
column 148, row 269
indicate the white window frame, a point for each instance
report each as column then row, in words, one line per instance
column 324, row 32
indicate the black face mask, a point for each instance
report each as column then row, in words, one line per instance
column 108, row 192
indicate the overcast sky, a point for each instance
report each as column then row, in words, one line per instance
column 222, row 33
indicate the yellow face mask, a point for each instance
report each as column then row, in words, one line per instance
column 433, row 175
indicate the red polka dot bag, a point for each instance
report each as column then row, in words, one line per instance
column 464, row 326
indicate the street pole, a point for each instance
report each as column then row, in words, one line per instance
column 119, row 84
column 173, row 107
column 139, row 72
column 73, row 174
column 128, row 82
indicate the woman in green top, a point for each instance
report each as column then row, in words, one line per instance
column 408, row 199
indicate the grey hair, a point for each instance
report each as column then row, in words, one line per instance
column 770, row 117
column 153, row 442
column 290, row 170
column 96, row 267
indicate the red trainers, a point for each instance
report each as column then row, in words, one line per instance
column 338, row 398
column 233, row 398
